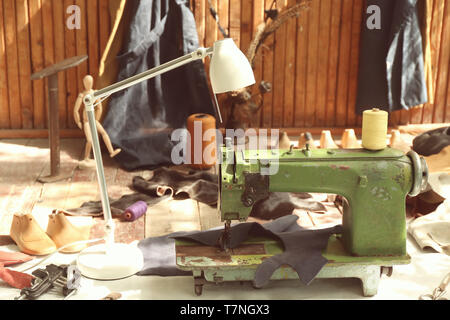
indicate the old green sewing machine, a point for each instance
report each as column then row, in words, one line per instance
column 374, row 185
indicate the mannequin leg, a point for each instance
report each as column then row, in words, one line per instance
column 88, row 147
column 107, row 141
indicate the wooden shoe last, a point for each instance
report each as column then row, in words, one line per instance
column 29, row 236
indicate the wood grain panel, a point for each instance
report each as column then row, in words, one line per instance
column 104, row 21
column 71, row 74
column 289, row 71
column 37, row 62
column 436, row 33
column 59, row 46
column 322, row 62
column 24, row 60
column 443, row 65
column 333, row 62
column 344, row 63
column 81, row 36
column 4, row 101
column 301, row 69
column 311, row 61
column 12, row 64
column 93, row 36
column 354, row 60
column 49, row 44
column 278, row 74
column 268, row 71
column 257, row 19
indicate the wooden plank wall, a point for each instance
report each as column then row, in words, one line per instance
column 312, row 61
column 34, row 35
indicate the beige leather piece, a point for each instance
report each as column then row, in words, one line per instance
column 29, row 236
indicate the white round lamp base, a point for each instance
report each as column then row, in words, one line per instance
column 110, row 261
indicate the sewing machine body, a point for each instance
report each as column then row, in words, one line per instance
column 374, row 185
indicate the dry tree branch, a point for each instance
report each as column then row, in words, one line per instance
column 242, row 115
column 265, row 29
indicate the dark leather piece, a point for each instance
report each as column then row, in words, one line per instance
column 302, row 248
column 432, row 142
column 200, row 186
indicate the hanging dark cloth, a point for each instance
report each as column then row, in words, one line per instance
column 391, row 64
column 140, row 119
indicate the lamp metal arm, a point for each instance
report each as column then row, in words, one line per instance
column 200, row 53
column 89, row 103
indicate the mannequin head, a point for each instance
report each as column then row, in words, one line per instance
column 88, row 82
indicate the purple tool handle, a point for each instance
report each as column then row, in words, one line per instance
column 135, row 211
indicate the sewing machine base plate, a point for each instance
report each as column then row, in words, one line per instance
column 212, row 265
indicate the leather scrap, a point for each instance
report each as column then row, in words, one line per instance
column 201, row 186
column 118, row 206
column 432, row 142
column 11, row 258
column 303, row 248
column 197, row 185
column 15, row 279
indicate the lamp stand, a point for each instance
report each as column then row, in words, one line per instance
column 109, row 261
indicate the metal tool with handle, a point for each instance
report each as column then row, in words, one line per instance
column 47, row 279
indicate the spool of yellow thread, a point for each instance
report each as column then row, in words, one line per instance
column 374, row 129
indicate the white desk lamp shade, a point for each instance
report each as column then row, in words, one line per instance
column 230, row 70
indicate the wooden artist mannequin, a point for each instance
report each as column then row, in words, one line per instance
column 88, row 82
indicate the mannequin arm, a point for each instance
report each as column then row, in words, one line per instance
column 76, row 111
column 98, row 110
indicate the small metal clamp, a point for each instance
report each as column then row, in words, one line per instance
column 439, row 292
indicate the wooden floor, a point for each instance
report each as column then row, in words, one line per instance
column 23, row 161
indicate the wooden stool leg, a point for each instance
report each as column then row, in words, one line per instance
column 53, row 125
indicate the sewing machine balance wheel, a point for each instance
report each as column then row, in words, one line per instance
column 420, row 173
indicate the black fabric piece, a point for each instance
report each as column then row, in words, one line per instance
column 391, row 66
column 140, row 119
column 432, row 142
column 303, row 248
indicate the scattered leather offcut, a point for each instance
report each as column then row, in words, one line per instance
column 11, row 258
column 302, row 248
column 15, row 279
column 201, row 186
column 432, row 142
